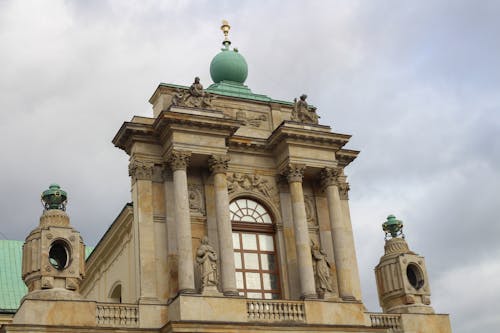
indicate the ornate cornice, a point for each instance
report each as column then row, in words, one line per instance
column 329, row 177
column 344, row 190
column 179, row 159
column 218, row 163
column 295, row 172
column 141, row 170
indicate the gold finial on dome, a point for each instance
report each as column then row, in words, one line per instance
column 225, row 27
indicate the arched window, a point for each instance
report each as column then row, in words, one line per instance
column 254, row 246
column 116, row 294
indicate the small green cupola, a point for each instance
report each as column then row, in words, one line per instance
column 228, row 65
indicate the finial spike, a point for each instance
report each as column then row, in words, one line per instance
column 225, row 27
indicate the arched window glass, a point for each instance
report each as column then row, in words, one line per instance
column 246, row 210
column 257, row 272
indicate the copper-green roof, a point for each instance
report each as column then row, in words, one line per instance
column 232, row 89
column 12, row 287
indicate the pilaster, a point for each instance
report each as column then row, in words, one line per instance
column 141, row 173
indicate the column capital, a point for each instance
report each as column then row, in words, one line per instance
column 179, row 159
column 141, row 170
column 294, row 172
column 344, row 190
column 218, row 163
column 329, row 177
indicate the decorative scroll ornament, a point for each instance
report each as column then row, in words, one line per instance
column 302, row 112
column 218, row 163
column 238, row 182
column 252, row 121
column 141, row 170
column 344, row 190
column 294, row 172
column 195, row 96
column 195, row 194
column 179, row 159
column 329, row 177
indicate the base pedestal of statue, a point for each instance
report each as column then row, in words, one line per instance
column 328, row 296
column 211, row 291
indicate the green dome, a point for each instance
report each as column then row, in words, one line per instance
column 229, row 65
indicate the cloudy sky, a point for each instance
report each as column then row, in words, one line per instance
column 415, row 82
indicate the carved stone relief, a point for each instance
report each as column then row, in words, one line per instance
column 196, row 202
column 237, row 182
column 250, row 121
column 310, row 209
column 195, row 96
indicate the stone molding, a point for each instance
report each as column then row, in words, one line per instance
column 179, row 159
column 295, row 172
column 218, row 163
column 141, row 170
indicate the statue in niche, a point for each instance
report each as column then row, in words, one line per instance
column 196, row 96
column 302, row 112
column 321, row 268
column 207, row 261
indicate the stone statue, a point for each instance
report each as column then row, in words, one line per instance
column 207, row 261
column 196, row 89
column 195, row 96
column 302, row 112
column 321, row 268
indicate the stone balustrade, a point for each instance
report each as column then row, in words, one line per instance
column 383, row 320
column 268, row 310
column 117, row 315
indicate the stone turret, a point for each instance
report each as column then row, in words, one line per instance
column 402, row 280
column 53, row 253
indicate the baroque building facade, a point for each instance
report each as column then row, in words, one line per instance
column 239, row 221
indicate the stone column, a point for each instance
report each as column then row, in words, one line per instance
column 218, row 166
column 294, row 174
column 343, row 244
column 179, row 161
column 141, row 173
